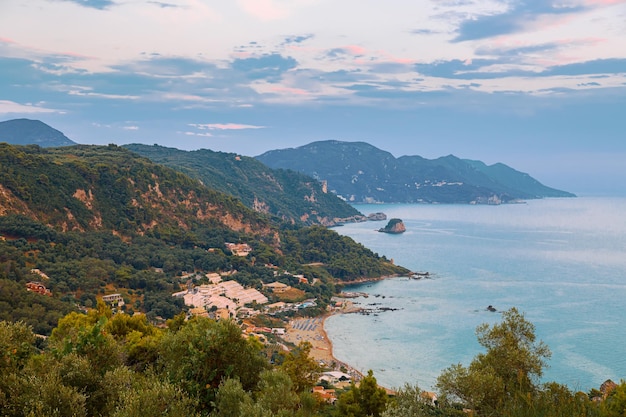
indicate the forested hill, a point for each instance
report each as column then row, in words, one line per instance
column 93, row 220
column 108, row 187
column 361, row 172
column 289, row 195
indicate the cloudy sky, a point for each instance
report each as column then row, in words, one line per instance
column 537, row 84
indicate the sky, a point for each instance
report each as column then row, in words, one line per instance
column 538, row 85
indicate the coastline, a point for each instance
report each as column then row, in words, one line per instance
column 312, row 330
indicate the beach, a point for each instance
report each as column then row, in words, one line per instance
column 312, row 330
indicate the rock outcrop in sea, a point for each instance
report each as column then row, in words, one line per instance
column 394, row 226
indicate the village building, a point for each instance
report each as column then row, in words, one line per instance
column 302, row 279
column 213, row 277
column 327, row 395
column 334, row 377
column 275, row 306
column 229, row 295
column 277, row 287
column 239, row 249
column 38, row 272
column 38, row 288
column 113, row 299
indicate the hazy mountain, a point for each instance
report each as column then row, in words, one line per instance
column 32, row 132
column 360, row 172
column 288, row 195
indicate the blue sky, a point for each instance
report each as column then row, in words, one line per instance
column 539, row 85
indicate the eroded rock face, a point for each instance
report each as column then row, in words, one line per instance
column 394, row 226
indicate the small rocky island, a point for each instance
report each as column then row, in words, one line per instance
column 394, row 226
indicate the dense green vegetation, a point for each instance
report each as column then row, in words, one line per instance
column 101, row 364
column 288, row 195
column 146, row 270
column 134, row 228
column 108, row 187
column 88, row 221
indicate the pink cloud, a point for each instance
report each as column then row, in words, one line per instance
column 289, row 90
column 355, row 50
column 605, row 2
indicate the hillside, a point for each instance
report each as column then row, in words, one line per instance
column 32, row 132
column 288, row 195
column 93, row 220
column 360, row 172
column 97, row 187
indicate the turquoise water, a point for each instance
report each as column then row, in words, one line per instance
column 562, row 262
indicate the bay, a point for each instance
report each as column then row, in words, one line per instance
column 562, row 262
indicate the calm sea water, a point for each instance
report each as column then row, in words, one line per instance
column 562, row 262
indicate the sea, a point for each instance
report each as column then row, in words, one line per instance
column 561, row 262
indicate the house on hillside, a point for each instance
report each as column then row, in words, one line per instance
column 302, row 279
column 38, row 287
column 277, row 287
column 239, row 249
column 40, row 273
column 327, row 395
column 113, row 299
column 334, row 377
column 229, row 295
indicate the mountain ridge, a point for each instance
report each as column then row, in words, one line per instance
column 363, row 173
column 290, row 196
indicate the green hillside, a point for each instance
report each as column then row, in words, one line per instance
column 101, row 219
column 288, row 195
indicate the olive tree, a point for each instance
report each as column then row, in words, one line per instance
column 508, row 371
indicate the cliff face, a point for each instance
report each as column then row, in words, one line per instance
column 394, row 226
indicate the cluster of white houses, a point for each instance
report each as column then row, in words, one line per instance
column 229, row 295
column 232, row 296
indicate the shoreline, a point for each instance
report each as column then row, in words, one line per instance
column 312, row 330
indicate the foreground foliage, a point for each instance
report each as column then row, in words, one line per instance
column 100, row 364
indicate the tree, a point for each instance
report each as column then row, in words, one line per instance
column 365, row 400
column 410, row 401
column 301, row 368
column 508, row 371
column 276, row 392
column 203, row 352
column 154, row 397
column 615, row 404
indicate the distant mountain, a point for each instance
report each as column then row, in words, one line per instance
column 32, row 132
column 288, row 195
column 362, row 173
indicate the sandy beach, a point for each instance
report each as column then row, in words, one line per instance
column 312, row 330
